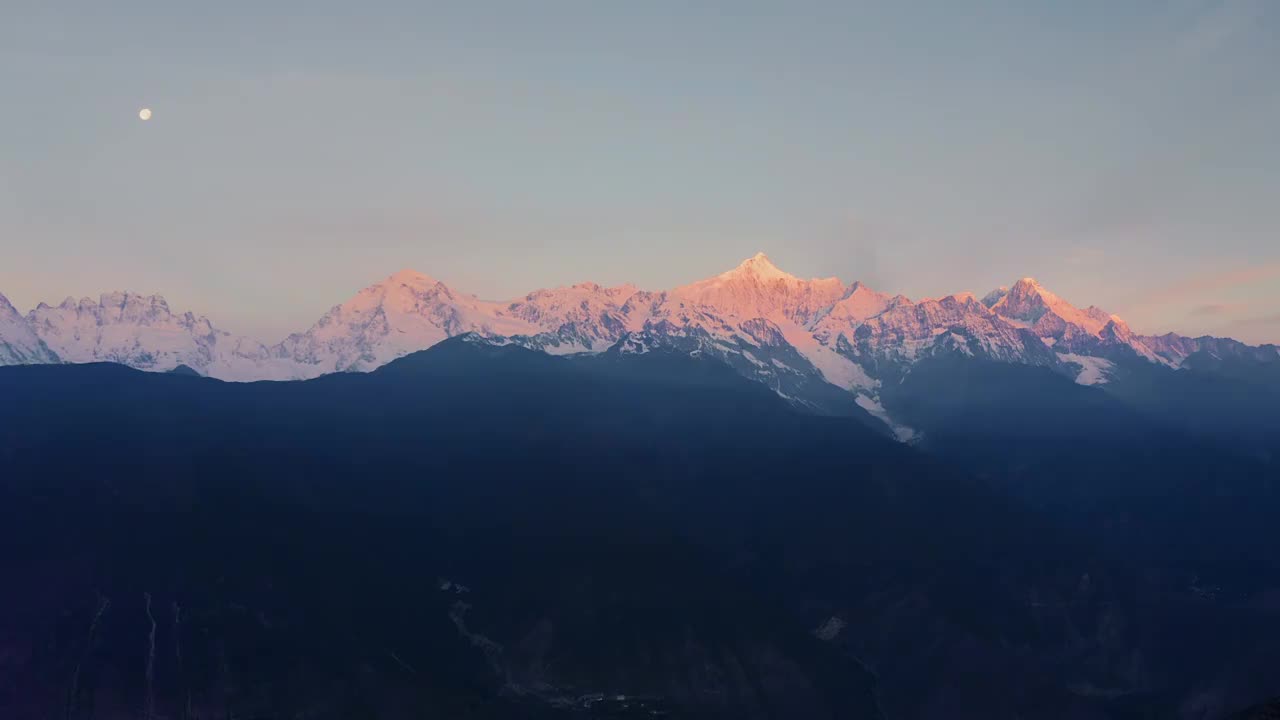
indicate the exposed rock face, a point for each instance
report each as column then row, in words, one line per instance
column 1045, row 312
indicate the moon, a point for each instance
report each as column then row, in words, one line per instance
column 144, row 114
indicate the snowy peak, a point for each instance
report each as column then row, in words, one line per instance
column 859, row 304
column 906, row 332
column 1030, row 304
column 761, row 267
column 811, row 341
column 405, row 283
column 583, row 295
column 1070, row 331
column 116, row 308
column 6, row 308
column 409, row 276
column 19, row 344
column 410, row 311
column 1175, row 349
column 1025, row 301
column 582, row 317
column 406, row 312
column 618, row 294
column 770, row 325
column 757, row 288
column 143, row 332
column 133, row 305
column 400, row 290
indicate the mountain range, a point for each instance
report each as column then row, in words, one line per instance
column 754, row 496
column 821, row 344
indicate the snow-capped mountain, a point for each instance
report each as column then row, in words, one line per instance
column 583, row 318
column 1066, row 328
column 757, row 288
column 1030, row 305
column 410, row 311
column 406, row 312
column 19, row 344
column 761, row 315
column 818, row 342
column 142, row 332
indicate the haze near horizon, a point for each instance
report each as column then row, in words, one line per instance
column 1123, row 156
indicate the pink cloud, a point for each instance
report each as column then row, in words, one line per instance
column 1200, row 285
column 1217, row 309
column 1272, row 319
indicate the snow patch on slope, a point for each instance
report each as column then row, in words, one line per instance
column 835, row 368
column 1093, row 370
column 873, row 406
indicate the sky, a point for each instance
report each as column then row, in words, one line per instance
column 1123, row 153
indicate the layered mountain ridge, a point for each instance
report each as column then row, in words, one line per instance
column 797, row 336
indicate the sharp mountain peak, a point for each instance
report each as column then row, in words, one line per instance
column 771, row 323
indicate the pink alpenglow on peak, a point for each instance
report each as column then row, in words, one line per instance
column 755, row 314
column 407, row 312
column 859, row 304
column 409, row 276
column 762, row 267
column 1028, row 302
column 790, row 334
column 142, row 332
column 757, row 288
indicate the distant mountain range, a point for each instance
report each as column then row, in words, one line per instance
column 819, row 343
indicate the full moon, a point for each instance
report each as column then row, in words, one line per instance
column 144, row 114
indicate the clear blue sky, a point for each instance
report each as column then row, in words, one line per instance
column 1125, row 153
